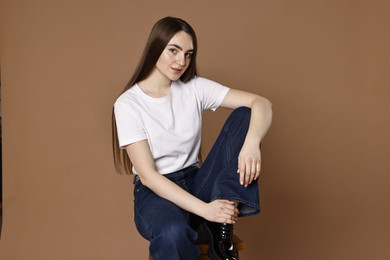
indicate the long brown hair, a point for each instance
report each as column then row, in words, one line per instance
column 159, row 37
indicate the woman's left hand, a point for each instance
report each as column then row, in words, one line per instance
column 249, row 163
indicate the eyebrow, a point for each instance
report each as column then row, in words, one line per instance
column 180, row 48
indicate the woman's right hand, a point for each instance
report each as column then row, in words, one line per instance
column 221, row 211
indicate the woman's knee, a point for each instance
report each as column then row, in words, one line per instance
column 242, row 112
column 239, row 119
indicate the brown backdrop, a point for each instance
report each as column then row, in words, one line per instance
column 324, row 64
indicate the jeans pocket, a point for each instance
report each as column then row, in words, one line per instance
column 138, row 187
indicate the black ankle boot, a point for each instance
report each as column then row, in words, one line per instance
column 220, row 239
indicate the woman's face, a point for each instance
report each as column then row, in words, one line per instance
column 176, row 56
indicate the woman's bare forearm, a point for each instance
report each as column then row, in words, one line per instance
column 218, row 211
column 261, row 118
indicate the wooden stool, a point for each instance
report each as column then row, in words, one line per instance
column 238, row 245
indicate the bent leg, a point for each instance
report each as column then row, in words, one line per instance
column 217, row 178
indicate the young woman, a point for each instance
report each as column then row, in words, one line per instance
column 156, row 135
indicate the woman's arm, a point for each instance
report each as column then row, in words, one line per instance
column 249, row 161
column 222, row 211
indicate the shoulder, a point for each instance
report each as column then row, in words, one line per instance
column 128, row 102
column 128, row 97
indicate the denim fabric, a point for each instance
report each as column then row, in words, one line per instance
column 218, row 177
column 170, row 229
column 164, row 224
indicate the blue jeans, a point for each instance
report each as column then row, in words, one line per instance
column 170, row 229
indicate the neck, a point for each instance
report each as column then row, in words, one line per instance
column 155, row 85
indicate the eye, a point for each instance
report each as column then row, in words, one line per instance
column 172, row 50
column 189, row 55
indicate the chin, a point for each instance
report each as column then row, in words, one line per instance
column 174, row 78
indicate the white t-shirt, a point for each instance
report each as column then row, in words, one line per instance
column 171, row 124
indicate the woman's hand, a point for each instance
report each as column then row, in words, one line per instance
column 221, row 211
column 249, row 163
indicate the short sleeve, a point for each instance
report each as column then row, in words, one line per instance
column 128, row 123
column 210, row 93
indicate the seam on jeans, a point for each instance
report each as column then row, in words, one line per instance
column 204, row 180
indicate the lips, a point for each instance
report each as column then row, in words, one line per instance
column 177, row 70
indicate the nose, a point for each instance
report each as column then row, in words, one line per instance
column 181, row 60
